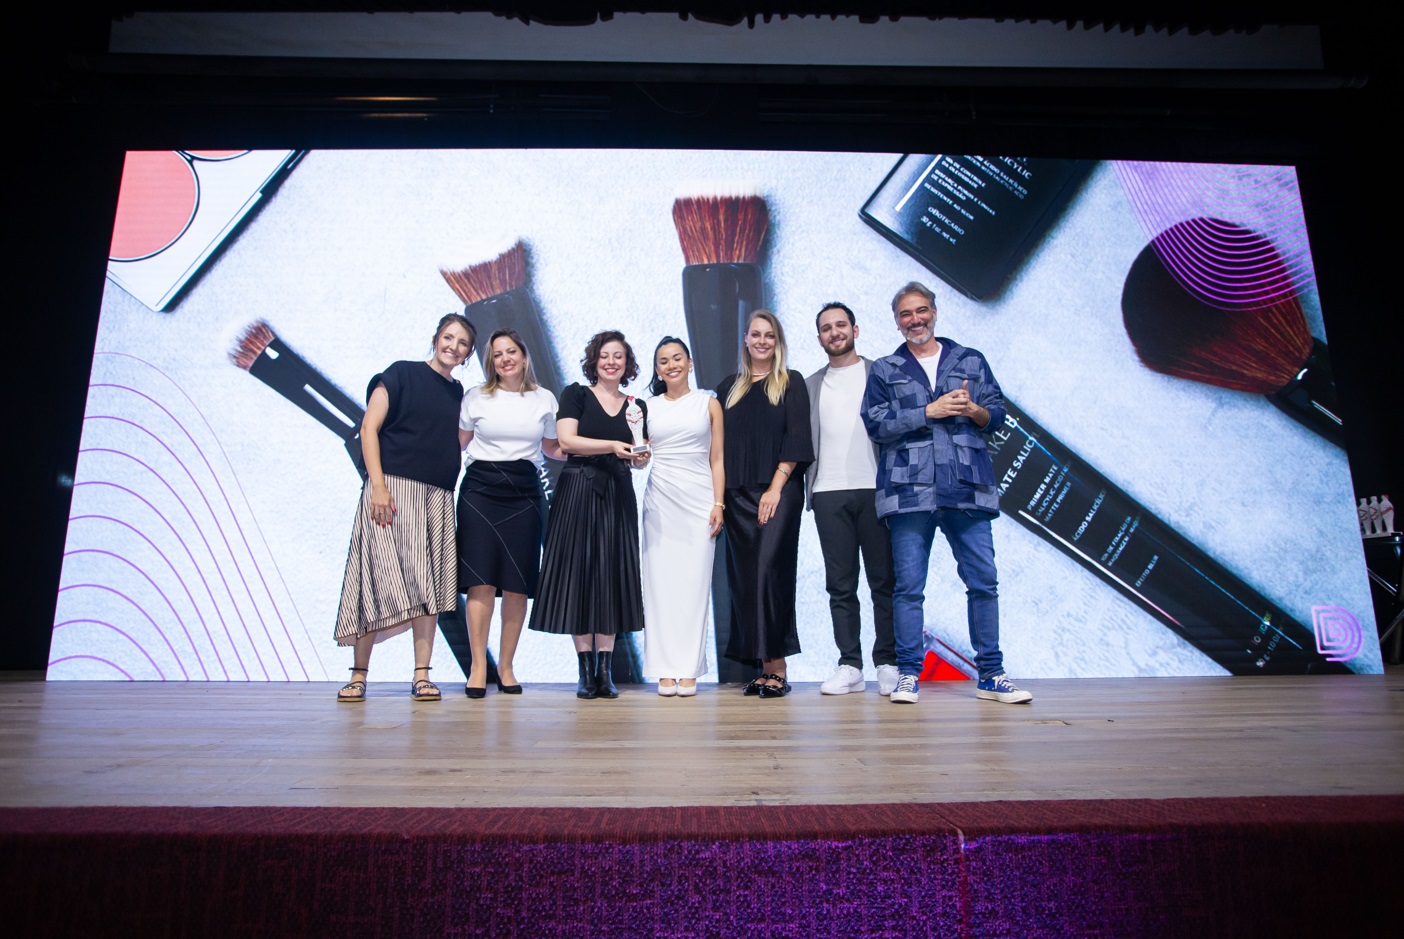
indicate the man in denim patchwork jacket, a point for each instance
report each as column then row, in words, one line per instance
column 929, row 407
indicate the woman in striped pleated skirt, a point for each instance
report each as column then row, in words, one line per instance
column 401, row 571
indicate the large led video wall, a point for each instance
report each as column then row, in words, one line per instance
column 1176, row 499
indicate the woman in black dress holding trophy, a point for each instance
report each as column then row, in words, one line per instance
column 589, row 587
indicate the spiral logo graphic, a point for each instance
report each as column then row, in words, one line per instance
column 1337, row 632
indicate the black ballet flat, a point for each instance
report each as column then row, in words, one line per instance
column 754, row 688
column 475, row 693
column 508, row 689
column 773, row 691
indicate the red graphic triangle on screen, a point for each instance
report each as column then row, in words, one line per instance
column 935, row 668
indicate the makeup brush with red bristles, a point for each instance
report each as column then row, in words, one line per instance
column 721, row 239
column 495, row 296
column 266, row 357
column 1260, row 344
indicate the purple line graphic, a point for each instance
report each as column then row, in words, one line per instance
column 208, row 548
column 154, row 586
column 1338, row 633
column 140, row 609
column 120, row 632
column 1242, row 213
column 253, row 519
column 94, row 658
column 157, row 512
column 218, row 528
column 238, row 569
column 137, row 434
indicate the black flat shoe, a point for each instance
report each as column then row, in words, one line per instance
column 774, row 691
column 508, row 689
column 475, row 692
column 754, row 687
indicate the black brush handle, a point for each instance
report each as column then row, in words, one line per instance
column 718, row 300
column 1050, row 489
column 1310, row 397
column 515, row 309
column 289, row 374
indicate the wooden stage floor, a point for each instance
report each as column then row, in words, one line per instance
column 101, row 743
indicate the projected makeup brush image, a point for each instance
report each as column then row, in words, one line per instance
column 721, row 237
column 1214, row 302
column 266, row 357
column 1153, row 526
column 495, row 296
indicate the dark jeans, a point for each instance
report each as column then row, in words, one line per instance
column 847, row 522
column 968, row 534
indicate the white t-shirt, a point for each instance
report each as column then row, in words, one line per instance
column 507, row 425
column 845, row 454
column 929, row 364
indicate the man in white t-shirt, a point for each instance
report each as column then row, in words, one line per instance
column 841, row 487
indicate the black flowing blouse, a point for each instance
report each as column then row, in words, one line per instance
column 761, row 435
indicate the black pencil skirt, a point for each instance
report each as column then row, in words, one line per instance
column 501, row 519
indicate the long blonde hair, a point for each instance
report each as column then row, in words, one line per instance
column 494, row 381
column 779, row 378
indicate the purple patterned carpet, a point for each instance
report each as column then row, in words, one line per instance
column 1115, row 868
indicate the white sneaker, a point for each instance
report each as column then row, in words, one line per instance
column 887, row 679
column 845, row 678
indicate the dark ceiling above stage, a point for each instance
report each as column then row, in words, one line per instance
column 1194, row 15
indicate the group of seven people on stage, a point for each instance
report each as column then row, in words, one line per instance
column 885, row 452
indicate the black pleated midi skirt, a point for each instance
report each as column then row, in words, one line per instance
column 590, row 567
column 761, row 564
column 501, row 521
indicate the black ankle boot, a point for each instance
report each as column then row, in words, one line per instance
column 604, row 680
column 587, row 686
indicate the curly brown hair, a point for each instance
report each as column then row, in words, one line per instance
column 590, row 363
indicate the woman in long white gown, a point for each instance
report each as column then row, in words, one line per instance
column 682, row 514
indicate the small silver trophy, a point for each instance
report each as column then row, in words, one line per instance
column 634, row 417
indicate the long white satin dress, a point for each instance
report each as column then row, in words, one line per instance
column 677, row 547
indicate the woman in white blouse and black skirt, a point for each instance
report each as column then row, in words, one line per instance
column 506, row 424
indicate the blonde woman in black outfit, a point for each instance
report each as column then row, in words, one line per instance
column 401, row 570
column 767, row 447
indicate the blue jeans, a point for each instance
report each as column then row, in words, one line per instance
column 968, row 534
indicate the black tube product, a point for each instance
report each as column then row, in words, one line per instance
column 1051, row 490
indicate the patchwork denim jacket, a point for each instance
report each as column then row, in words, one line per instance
column 925, row 464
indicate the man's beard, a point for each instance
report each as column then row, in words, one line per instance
column 927, row 336
column 841, row 351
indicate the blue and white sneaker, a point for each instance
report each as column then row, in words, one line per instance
column 906, row 690
column 1000, row 688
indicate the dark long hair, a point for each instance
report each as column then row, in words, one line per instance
column 658, row 385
